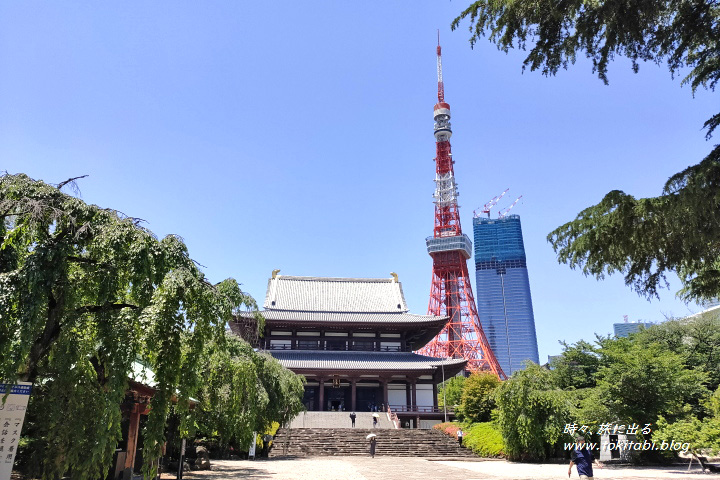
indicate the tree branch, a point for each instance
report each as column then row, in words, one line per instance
column 41, row 347
column 106, row 307
column 88, row 261
column 70, row 180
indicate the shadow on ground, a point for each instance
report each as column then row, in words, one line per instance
column 223, row 472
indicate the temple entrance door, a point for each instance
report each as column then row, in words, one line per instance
column 337, row 398
column 369, row 399
column 310, row 398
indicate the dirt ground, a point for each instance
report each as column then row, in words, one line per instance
column 403, row 468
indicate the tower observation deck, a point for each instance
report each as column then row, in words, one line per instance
column 451, row 292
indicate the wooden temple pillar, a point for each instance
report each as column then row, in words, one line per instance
column 321, row 394
column 435, row 395
column 413, row 394
column 353, row 394
column 385, row 382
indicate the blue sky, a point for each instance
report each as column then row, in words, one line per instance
column 299, row 136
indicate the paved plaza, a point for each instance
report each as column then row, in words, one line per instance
column 399, row 468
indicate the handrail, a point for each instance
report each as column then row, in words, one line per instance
column 418, row 409
column 392, row 416
column 385, row 348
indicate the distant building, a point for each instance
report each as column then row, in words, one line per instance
column 503, row 291
column 553, row 358
column 625, row 329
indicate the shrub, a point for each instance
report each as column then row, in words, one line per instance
column 484, row 439
column 448, row 428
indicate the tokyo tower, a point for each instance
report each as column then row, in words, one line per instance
column 451, row 292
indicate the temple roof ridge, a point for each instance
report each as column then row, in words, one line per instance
column 335, row 294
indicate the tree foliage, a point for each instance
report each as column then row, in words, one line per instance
column 451, row 391
column 703, row 436
column 685, row 34
column 85, row 292
column 658, row 376
column 645, row 238
column 577, row 366
column 531, row 413
column 477, row 401
column 698, row 341
column 244, row 392
column 639, row 381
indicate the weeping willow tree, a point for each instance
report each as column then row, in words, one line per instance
column 85, row 292
column 237, row 379
column 641, row 238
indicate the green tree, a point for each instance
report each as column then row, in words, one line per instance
column 577, row 366
column 531, row 413
column 477, row 402
column 86, row 291
column 638, row 381
column 697, row 339
column 644, row 238
column 702, row 436
column 451, row 391
column 244, row 392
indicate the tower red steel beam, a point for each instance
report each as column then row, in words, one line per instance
column 451, row 292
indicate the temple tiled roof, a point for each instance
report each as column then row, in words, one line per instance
column 347, row 295
column 350, row 318
column 372, row 361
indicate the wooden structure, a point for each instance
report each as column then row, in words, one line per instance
column 134, row 407
column 353, row 339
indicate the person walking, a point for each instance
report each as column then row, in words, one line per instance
column 352, row 419
column 583, row 459
column 459, row 436
column 373, row 443
column 375, row 422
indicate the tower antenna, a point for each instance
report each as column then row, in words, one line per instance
column 441, row 87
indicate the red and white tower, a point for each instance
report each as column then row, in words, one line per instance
column 451, row 292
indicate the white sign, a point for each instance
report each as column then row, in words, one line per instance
column 12, row 415
column 251, row 452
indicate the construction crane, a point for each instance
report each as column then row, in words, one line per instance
column 489, row 205
column 504, row 213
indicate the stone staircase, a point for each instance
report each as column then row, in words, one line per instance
column 338, row 420
column 309, row 442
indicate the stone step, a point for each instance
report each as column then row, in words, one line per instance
column 339, row 420
column 342, row 441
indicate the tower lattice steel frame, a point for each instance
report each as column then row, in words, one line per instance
column 451, row 292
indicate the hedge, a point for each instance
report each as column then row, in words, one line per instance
column 484, row 439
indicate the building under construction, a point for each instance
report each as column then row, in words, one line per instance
column 503, row 301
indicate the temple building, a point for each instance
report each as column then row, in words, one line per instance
column 353, row 340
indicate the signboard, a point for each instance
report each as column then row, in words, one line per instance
column 251, row 452
column 12, row 415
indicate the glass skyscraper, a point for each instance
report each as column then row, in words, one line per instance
column 503, row 291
